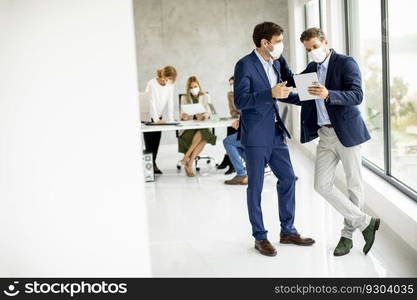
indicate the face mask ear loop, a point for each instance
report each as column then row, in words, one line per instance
column 267, row 51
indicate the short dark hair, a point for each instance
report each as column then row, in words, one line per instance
column 265, row 30
column 232, row 78
column 313, row 32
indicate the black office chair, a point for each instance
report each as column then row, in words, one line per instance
column 207, row 158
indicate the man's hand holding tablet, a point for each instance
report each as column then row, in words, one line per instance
column 305, row 83
column 318, row 90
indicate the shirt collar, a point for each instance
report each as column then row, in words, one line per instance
column 325, row 64
column 263, row 61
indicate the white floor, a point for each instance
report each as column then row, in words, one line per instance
column 199, row 227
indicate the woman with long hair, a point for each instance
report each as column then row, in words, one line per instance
column 191, row 142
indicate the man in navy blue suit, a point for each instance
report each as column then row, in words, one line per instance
column 335, row 117
column 260, row 79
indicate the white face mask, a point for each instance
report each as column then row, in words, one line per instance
column 231, row 88
column 195, row 91
column 170, row 81
column 317, row 55
column 277, row 51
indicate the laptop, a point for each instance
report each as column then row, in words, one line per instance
column 148, row 123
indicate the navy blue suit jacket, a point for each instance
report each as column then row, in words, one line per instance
column 344, row 83
column 252, row 95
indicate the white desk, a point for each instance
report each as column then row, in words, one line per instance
column 192, row 124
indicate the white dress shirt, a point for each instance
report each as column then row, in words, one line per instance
column 161, row 96
column 269, row 69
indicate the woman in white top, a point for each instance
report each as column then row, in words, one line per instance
column 191, row 142
column 161, row 96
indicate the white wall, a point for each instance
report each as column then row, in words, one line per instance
column 71, row 188
column 202, row 38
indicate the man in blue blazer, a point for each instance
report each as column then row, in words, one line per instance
column 260, row 79
column 335, row 117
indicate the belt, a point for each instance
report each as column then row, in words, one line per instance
column 328, row 125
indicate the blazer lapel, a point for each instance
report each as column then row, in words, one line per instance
column 277, row 67
column 314, row 67
column 260, row 68
column 330, row 69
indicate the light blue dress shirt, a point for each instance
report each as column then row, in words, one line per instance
column 270, row 73
column 322, row 115
column 269, row 69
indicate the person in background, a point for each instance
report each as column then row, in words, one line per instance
column 235, row 150
column 191, row 142
column 234, row 113
column 161, row 90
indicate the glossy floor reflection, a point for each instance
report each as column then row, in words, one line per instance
column 199, row 227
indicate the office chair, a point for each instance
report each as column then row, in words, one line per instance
column 199, row 158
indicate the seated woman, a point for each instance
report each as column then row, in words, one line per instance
column 191, row 142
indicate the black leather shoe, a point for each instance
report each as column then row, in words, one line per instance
column 230, row 171
column 225, row 163
column 156, row 170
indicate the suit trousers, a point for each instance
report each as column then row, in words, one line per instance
column 329, row 152
column 152, row 140
column 278, row 158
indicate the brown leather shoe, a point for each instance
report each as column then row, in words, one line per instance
column 243, row 180
column 265, row 248
column 296, row 239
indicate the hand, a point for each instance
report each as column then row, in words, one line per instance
column 160, row 122
column 200, row 117
column 185, row 116
column 235, row 124
column 280, row 91
column 318, row 90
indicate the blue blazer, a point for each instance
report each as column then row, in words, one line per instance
column 252, row 95
column 344, row 83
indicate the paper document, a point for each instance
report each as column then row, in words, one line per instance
column 193, row 109
column 303, row 82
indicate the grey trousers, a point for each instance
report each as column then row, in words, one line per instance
column 329, row 152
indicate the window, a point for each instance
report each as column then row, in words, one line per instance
column 365, row 47
column 382, row 36
column 403, row 89
column 312, row 13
